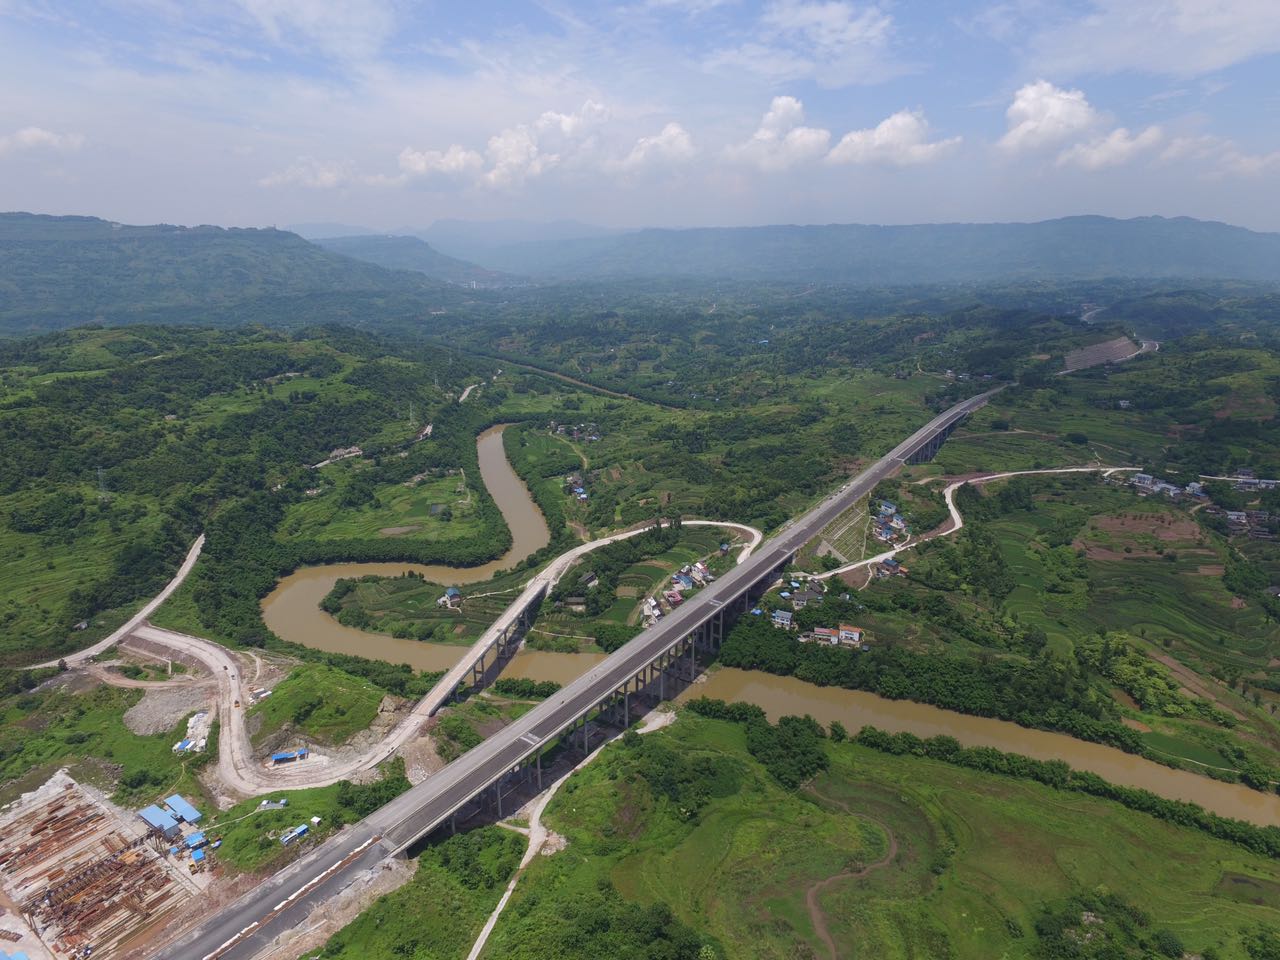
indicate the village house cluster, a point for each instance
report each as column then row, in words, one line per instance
column 802, row 595
column 577, row 486
column 692, row 576
column 1146, row 485
column 888, row 525
column 1256, row 524
column 587, row 432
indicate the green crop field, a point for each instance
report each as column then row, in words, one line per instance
column 39, row 571
column 437, row 508
column 974, row 858
column 318, row 702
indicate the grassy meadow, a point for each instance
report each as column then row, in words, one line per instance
column 973, row 859
column 319, row 702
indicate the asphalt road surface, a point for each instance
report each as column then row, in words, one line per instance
column 241, row 929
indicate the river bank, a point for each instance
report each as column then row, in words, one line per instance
column 780, row 696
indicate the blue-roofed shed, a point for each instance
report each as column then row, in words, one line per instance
column 453, row 593
column 195, row 840
column 160, row 820
column 197, row 856
column 20, row 955
column 183, row 810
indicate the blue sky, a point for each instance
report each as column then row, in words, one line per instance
column 390, row 113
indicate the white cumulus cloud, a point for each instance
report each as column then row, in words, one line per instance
column 1117, row 147
column 899, row 140
column 518, row 153
column 782, row 140
column 311, row 173
column 1044, row 115
column 1221, row 157
column 38, row 138
column 450, row 162
column 669, row 146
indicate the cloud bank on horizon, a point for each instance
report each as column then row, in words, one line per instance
column 388, row 113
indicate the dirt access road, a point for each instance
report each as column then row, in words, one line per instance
column 242, row 773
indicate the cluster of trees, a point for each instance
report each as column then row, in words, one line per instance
column 358, row 800
column 480, row 859
column 791, row 750
column 525, row 689
column 686, row 780
column 60, row 510
column 1114, row 930
column 20, row 681
column 455, row 736
column 1057, row 774
column 1047, row 693
column 395, row 678
column 1115, row 657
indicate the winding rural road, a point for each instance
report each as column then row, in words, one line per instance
column 239, row 770
column 151, row 606
column 957, row 520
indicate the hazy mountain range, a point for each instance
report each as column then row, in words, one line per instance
column 412, row 253
column 60, row 271
column 1068, row 248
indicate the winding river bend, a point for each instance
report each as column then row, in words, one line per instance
column 293, row 611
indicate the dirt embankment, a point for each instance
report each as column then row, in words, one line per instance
column 160, row 711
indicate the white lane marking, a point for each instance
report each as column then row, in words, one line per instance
column 306, row 888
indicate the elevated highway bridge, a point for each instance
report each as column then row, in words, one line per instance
column 243, row 928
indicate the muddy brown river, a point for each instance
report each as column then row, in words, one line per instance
column 293, row 611
column 779, row 696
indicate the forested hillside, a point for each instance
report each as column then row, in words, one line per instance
column 58, row 272
column 121, row 445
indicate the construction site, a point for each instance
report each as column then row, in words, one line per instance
column 85, row 878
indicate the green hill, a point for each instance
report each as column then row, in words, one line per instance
column 410, row 253
column 58, row 272
column 1070, row 248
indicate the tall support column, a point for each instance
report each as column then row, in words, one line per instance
column 693, row 660
column 662, row 678
column 498, row 787
column 538, row 763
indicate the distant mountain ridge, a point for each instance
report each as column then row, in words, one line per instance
column 479, row 240
column 62, row 271
column 412, row 253
column 1084, row 247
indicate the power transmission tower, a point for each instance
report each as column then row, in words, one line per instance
column 102, row 484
